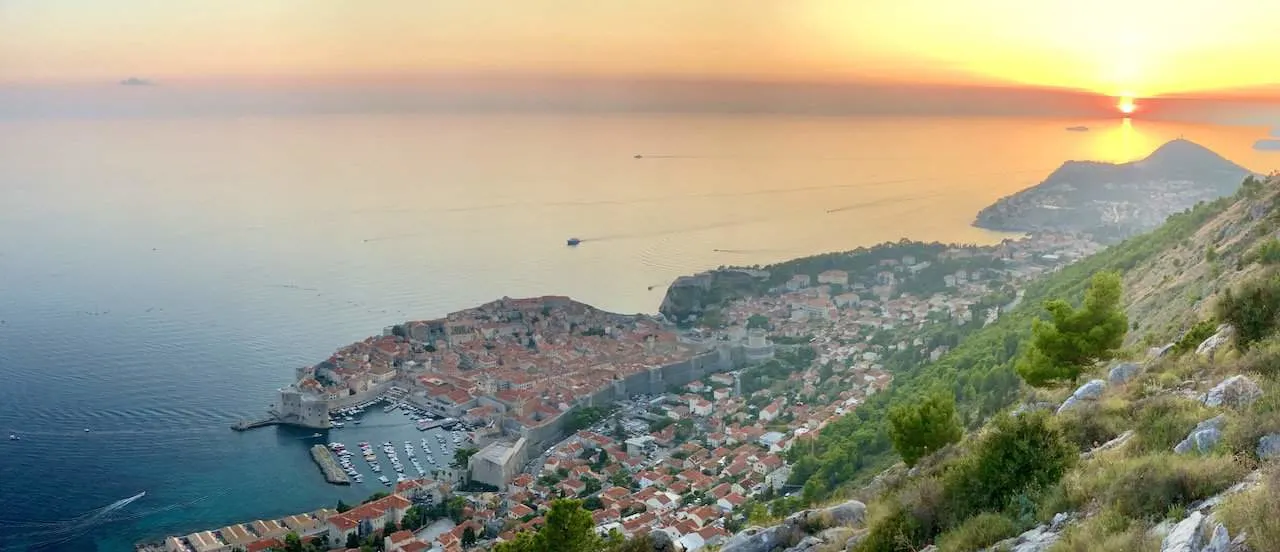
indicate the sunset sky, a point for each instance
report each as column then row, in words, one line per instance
column 1143, row 48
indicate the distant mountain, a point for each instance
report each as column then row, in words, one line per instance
column 1114, row 201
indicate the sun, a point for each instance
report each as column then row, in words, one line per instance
column 1126, row 105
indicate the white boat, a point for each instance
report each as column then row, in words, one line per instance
column 336, row 424
column 401, row 478
column 384, row 480
column 14, row 437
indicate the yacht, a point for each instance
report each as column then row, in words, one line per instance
column 384, row 480
column 335, row 425
column 14, row 437
column 401, row 478
column 431, row 459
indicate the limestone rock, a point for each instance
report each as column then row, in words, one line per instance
column 1204, row 437
column 755, row 539
column 1159, row 352
column 1120, row 374
column 1039, row 539
column 848, row 514
column 1236, row 392
column 1186, row 536
column 1209, row 346
column 1088, row 392
column 808, row 544
column 1118, row 442
column 1269, row 446
column 1219, row 541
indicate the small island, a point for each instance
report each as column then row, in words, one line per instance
column 1080, row 128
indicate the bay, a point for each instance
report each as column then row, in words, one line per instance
column 160, row 278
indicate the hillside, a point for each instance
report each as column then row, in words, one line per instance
column 1114, row 201
column 1215, row 396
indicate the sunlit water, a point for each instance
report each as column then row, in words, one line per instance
column 160, row 278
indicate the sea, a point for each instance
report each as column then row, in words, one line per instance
column 161, row 278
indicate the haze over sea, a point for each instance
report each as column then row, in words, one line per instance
column 159, row 279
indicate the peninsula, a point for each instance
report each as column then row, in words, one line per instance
column 1114, row 201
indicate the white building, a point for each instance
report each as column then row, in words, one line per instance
column 497, row 463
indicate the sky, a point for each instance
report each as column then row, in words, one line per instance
column 1108, row 48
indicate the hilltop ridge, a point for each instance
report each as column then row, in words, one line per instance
column 1113, row 201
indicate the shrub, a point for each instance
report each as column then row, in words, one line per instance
column 1016, row 454
column 1253, row 309
column 1201, row 331
column 1242, row 431
column 1267, row 252
column 1162, row 421
column 1107, row 531
column 1263, row 358
column 1255, row 512
column 907, row 520
column 1092, row 424
column 977, row 532
column 1148, row 486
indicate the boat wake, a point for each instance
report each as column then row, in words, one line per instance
column 39, row 534
column 36, row 534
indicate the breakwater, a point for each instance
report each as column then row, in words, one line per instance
column 329, row 466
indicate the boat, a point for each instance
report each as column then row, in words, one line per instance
column 638, row 156
column 335, row 425
column 313, row 435
column 86, row 430
column 14, row 437
column 384, row 480
column 1078, row 129
column 573, row 241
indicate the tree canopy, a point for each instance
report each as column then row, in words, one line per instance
column 568, row 528
column 920, row 427
column 1075, row 338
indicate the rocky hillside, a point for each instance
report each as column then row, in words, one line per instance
column 1171, row 447
column 1117, row 200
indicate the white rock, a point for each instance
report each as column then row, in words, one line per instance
column 1204, row 437
column 1219, row 541
column 1186, row 535
column 1090, row 391
column 1236, row 391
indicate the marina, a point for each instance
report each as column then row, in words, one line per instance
column 385, row 462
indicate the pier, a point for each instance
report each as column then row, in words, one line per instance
column 329, row 466
column 245, row 425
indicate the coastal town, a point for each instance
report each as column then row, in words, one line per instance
column 656, row 424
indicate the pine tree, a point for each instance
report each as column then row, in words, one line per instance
column 920, row 427
column 1074, row 339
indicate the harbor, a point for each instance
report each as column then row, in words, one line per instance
column 332, row 473
column 426, row 454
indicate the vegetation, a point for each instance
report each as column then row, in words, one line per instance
column 1201, row 331
column 1253, row 309
column 568, row 528
column 1016, row 458
column 1255, row 513
column 583, row 417
column 1074, row 339
column 977, row 532
column 920, row 427
column 979, row 367
column 462, row 456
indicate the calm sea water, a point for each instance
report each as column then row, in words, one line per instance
column 160, row 278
